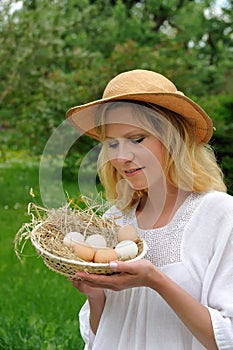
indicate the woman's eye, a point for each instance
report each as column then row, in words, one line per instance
column 113, row 144
column 138, row 140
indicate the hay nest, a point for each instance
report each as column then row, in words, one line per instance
column 47, row 229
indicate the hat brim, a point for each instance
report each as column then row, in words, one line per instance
column 83, row 117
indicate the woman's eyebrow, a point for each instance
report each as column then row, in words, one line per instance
column 109, row 138
column 127, row 135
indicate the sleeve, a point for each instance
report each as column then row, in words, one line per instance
column 220, row 300
column 114, row 214
column 85, row 328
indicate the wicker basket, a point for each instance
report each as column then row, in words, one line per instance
column 47, row 230
column 69, row 266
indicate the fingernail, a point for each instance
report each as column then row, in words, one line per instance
column 113, row 265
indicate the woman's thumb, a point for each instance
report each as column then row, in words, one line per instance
column 120, row 266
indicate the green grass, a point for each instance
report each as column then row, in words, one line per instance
column 38, row 308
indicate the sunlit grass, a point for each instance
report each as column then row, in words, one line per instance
column 38, row 308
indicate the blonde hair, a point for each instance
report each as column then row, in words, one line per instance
column 187, row 164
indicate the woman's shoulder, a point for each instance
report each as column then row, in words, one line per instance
column 210, row 226
column 218, row 201
column 214, row 211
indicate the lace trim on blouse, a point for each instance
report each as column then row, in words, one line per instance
column 164, row 243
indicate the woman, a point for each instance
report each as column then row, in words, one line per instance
column 163, row 178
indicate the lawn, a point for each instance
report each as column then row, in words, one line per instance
column 38, row 307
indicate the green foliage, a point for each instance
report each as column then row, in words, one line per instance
column 221, row 110
column 62, row 53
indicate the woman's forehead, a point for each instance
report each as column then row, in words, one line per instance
column 132, row 117
column 115, row 130
column 125, row 115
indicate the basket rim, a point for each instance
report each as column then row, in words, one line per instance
column 77, row 262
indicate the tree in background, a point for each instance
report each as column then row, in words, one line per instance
column 60, row 53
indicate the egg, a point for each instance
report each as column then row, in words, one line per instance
column 127, row 232
column 72, row 237
column 84, row 251
column 105, row 255
column 126, row 249
column 96, row 240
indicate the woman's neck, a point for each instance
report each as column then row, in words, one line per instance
column 157, row 209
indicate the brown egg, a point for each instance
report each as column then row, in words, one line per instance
column 84, row 252
column 127, row 232
column 105, row 255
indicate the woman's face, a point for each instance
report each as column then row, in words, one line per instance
column 134, row 152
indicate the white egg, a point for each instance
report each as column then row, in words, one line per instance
column 72, row 238
column 127, row 249
column 96, row 240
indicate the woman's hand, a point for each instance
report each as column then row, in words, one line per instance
column 84, row 287
column 128, row 275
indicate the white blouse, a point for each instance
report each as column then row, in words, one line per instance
column 196, row 251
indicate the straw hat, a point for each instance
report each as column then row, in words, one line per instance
column 145, row 86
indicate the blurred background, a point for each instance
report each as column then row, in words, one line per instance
column 60, row 53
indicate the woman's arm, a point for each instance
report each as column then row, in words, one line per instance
column 193, row 314
column 96, row 299
column 96, row 308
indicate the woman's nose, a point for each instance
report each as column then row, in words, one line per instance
column 126, row 156
column 124, row 152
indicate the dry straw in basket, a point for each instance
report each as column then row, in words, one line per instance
column 48, row 228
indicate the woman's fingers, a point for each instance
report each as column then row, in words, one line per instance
column 125, row 275
column 127, row 267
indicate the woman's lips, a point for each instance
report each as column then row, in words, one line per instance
column 132, row 172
